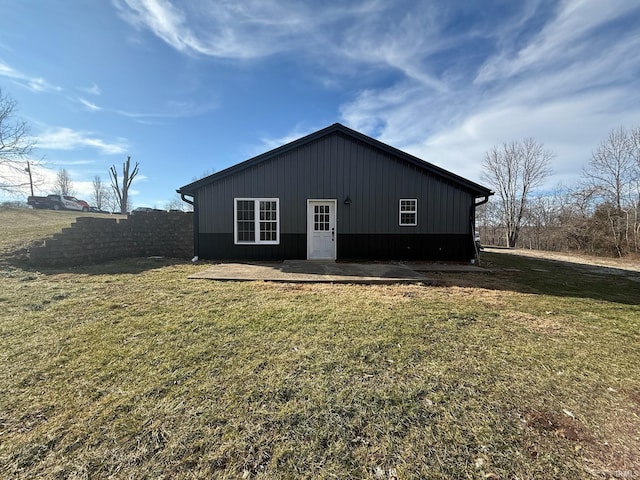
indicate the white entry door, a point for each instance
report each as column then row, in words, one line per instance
column 321, row 229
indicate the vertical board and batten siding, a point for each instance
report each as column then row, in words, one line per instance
column 334, row 167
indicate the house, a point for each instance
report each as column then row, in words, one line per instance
column 334, row 194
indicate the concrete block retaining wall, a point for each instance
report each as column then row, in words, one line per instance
column 94, row 240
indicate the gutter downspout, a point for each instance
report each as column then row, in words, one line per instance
column 486, row 199
column 196, row 223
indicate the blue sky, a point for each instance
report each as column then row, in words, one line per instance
column 190, row 87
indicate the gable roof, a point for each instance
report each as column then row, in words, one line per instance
column 477, row 189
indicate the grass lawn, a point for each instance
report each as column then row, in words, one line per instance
column 129, row 370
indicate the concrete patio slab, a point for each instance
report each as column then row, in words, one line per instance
column 305, row 271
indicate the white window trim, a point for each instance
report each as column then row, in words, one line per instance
column 256, row 220
column 415, row 212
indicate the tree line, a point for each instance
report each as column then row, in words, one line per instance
column 600, row 215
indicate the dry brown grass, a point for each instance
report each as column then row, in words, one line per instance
column 128, row 370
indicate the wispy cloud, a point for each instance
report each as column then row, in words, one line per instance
column 359, row 33
column 172, row 110
column 402, row 43
column 35, row 84
column 92, row 107
column 576, row 33
column 75, row 162
column 268, row 143
column 179, row 27
column 567, row 84
column 61, row 138
column 94, row 89
column 164, row 20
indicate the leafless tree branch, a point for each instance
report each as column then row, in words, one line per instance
column 514, row 170
column 121, row 191
column 15, row 147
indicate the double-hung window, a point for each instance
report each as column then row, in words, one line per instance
column 408, row 212
column 256, row 221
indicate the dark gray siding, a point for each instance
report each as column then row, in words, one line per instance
column 333, row 167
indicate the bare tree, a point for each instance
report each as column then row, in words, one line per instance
column 541, row 220
column 177, row 203
column 611, row 169
column 121, row 191
column 489, row 223
column 514, row 170
column 63, row 185
column 15, row 147
column 634, row 141
column 612, row 174
column 99, row 193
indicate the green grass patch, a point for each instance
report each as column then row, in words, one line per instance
column 129, row 370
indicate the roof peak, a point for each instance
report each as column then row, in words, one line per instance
column 337, row 127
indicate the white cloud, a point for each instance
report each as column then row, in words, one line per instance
column 83, row 189
column 270, row 143
column 577, row 126
column 62, row 138
column 173, row 26
column 567, row 87
column 162, row 19
column 456, row 136
column 570, row 37
column 355, row 33
column 394, row 114
column 94, row 89
column 403, row 44
column 92, row 107
column 35, row 84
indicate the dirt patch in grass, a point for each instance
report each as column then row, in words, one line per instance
column 563, row 426
column 547, row 323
